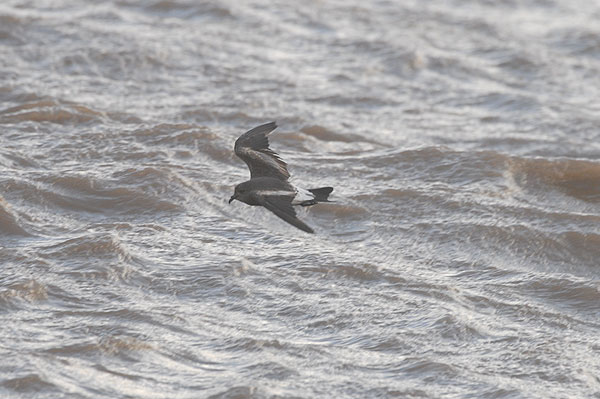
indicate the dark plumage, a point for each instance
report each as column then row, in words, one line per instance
column 268, row 185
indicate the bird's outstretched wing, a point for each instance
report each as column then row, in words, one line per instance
column 281, row 205
column 253, row 148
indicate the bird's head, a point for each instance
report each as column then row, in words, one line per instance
column 238, row 192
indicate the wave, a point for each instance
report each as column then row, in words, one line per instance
column 323, row 134
column 486, row 206
column 117, row 262
column 578, row 178
column 84, row 193
column 574, row 177
column 577, row 42
column 189, row 10
column 28, row 383
column 31, row 291
column 46, row 109
column 9, row 223
column 112, row 345
column 102, row 245
column 49, row 111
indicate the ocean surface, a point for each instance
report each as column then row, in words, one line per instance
column 460, row 259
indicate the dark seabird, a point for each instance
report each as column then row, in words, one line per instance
column 268, row 185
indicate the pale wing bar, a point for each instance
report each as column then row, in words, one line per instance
column 253, row 148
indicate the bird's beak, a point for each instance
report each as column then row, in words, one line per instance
column 232, row 198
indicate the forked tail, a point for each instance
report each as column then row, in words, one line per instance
column 321, row 195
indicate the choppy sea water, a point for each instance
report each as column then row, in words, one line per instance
column 460, row 259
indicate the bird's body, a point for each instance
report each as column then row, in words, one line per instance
column 268, row 185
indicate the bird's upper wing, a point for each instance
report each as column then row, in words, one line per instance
column 253, row 148
column 281, row 205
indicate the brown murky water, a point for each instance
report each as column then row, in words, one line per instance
column 460, row 259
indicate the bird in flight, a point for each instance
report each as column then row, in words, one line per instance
column 268, row 185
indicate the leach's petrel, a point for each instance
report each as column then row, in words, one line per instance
column 268, row 185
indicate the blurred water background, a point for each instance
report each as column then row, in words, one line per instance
column 460, row 259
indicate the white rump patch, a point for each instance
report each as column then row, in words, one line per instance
column 302, row 195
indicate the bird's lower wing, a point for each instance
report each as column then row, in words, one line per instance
column 282, row 207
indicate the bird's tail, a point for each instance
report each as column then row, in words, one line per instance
column 321, row 195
